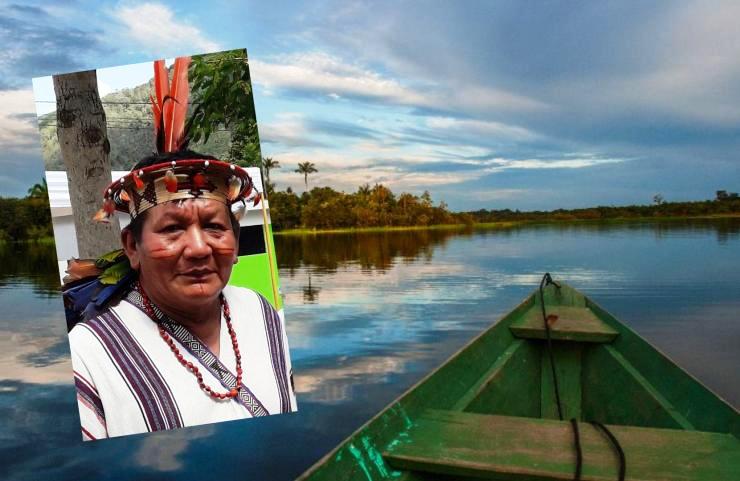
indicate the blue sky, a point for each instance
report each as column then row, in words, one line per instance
column 528, row 105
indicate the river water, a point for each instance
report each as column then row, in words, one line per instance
column 367, row 316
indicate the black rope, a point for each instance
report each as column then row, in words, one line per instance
column 579, row 453
column 617, row 447
column 547, row 280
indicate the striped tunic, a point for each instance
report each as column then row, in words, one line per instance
column 128, row 380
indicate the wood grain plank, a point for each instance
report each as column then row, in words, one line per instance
column 578, row 324
column 504, row 447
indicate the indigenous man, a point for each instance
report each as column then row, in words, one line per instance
column 179, row 347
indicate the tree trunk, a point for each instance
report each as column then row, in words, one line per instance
column 83, row 141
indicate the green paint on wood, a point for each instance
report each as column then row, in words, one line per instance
column 563, row 296
column 464, row 444
column 508, row 387
column 568, row 369
column 573, row 324
column 617, row 393
column 700, row 406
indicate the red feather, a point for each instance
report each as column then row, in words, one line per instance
column 161, row 90
column 175, row 118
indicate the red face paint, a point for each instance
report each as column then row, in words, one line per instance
column 186, row 252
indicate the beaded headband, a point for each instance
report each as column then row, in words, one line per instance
column 144, row 188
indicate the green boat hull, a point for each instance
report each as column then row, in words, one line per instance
column 490, row 410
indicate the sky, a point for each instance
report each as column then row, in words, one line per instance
column 521, row 105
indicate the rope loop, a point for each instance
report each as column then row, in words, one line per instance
column 546, row 281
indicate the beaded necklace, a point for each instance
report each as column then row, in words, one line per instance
column 189, row 365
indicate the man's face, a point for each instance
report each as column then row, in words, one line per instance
column 186, row 252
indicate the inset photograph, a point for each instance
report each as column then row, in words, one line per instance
column 164, row 243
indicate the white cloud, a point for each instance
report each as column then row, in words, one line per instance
column 347, row 171
column 329, row 75
column 154, row 28
column 499, row 164
column 393, row 161
column 395, row 169
column 477, row 98
column 16, row 133
column 481, row 128
column 693, row 73
column 288, row 129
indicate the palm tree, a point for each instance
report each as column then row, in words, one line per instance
column 364, row 190
column 306, row 168
column 39, row 190
column 268, row 164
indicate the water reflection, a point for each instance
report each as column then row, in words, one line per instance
column 367, row 316
column 30, row 264
column 370, row 251
column 310, row 293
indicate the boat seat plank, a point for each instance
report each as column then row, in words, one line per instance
column 578, row 324
column 514, row 448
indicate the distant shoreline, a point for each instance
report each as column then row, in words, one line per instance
column 498, row 225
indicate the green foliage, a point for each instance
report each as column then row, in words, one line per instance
column 285, row 210
column 24, row 219
column 109, row 258
column 325, row 208
column 115, row 272
column 39, row 190
column 221, row 91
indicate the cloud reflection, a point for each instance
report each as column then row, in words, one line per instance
column 166, row 455
column 331, row 384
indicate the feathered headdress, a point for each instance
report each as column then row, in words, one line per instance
column 185, row 178
column 171, row 105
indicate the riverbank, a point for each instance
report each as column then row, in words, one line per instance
column 499, row 225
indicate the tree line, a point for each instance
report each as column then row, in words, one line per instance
column 662, row 209
column 27, row 218
column 378, row 206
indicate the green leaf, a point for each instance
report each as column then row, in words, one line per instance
column 115, row 272
column 108, row 258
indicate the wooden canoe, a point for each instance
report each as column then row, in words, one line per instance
column 489, row 411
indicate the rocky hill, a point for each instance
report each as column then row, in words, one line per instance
column 130, row 132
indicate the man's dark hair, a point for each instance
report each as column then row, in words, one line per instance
column 170, row 156
column 136, row 225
